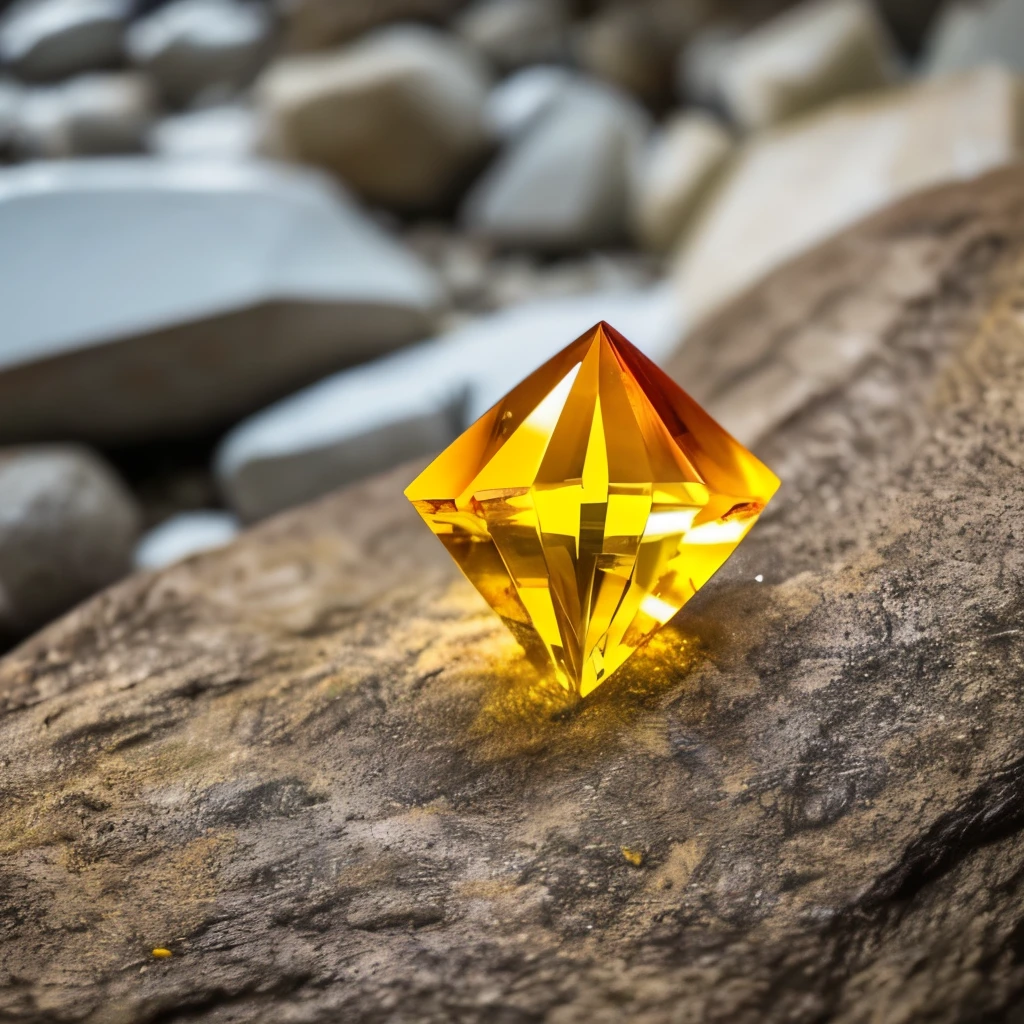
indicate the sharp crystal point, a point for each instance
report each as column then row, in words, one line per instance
column 591, row 503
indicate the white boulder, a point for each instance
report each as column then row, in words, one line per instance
column 189, row 293
column 566, row 182
column 415, row 402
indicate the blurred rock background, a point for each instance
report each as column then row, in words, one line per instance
column 252, row 251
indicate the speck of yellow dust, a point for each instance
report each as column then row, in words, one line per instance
column 162, row 954
column 635, row 857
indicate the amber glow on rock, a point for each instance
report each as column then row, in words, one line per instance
column 591, row 503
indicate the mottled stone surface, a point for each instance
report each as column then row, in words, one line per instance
column 314, row 767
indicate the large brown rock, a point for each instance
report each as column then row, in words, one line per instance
column 315, row 767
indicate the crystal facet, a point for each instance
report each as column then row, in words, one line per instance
column 591, row 503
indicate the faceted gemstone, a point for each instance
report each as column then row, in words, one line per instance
column 591, row 503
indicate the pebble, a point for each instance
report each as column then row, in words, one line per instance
column 517, row 102
column 398, row 116
column 264, row 278
column 624, row 46
column 682, row 165
column 971, row 35
column 44, row 40
column 67, row 529
column 804, row 58
column 566, row 182
column 515, row 33
column 196, row 48
column 225, row 132
column 93, row 114
column 183, row 535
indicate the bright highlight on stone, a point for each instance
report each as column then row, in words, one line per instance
column 590, row 504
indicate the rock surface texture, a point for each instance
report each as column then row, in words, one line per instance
column 315, row 768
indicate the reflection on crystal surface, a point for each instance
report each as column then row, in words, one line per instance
column 591, row 503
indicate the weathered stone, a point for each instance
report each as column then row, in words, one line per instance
column 514, row 33
column 316, row 24
column 806, row 57
column 201, row 47
column 623, row 46
column 398, row 116
column 973, row 35
column 565, row 184
column 698, row 77
column 253, row 758
column 683, row 163
column 184, row 535
column 10, row 104
column 230, row 131
column 519, row 100
column 413, row 403
column 48, row 39
column 263, row 280
column 794, row 186
column 67, row 528
column 93, row 114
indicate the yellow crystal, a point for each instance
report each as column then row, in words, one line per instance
column 591, row 503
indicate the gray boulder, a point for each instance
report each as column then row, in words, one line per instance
column 415, row 402
column 189, row 293
column 565, row 184
column 805, row 58
column 196, row 47
column 519, row 100
column 514, row 33
column 398, row 116
column 67, row 528
column 48, row 39
column 97, row 113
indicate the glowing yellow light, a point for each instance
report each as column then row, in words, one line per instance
column 591, row 503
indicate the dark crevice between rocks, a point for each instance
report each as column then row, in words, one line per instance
column 994, row 811
column 185, row 1010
